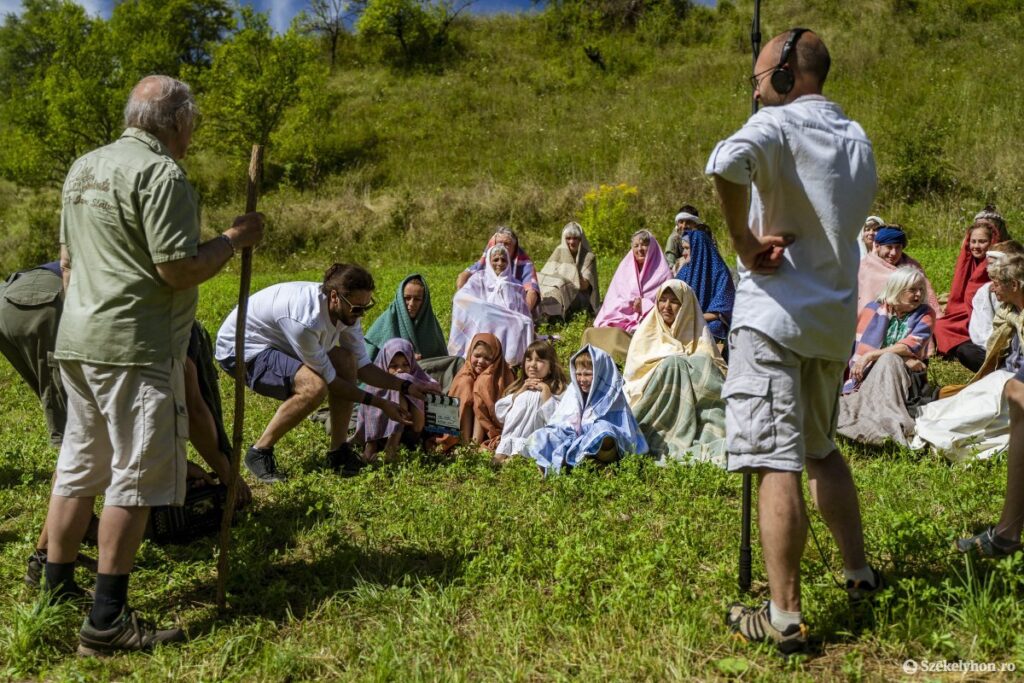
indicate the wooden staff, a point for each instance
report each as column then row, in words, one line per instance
column 251, row 195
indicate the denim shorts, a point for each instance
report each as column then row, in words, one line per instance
column 270, row 373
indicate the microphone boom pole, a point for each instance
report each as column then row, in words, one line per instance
column 744, row 568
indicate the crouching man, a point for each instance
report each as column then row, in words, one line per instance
column 304, row 343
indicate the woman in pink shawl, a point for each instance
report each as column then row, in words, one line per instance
column 888, row 255
column 379, row 432
column 630, row 296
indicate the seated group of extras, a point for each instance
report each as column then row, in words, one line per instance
column 664, row 321
column 664, row 317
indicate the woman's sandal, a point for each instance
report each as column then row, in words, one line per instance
column 988, row 544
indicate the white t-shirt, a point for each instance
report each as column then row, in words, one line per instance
column 984, row 305
column 813, row 176
column 292, row 317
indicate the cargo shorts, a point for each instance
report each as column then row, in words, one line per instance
column 780, row 407
column 126, row 434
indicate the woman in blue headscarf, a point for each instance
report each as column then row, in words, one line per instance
column 710, row 279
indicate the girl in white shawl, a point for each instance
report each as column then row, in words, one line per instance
column 492, row 301
column 530, row 402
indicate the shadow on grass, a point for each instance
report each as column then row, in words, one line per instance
column 271, row 577
column 25, row 474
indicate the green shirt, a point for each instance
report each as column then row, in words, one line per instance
column 897, row 330
column 127, row 207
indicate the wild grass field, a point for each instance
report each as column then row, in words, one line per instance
column 450, row 569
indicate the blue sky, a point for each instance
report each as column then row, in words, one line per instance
column 282, row 11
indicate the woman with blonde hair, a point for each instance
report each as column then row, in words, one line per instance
column 887, row 371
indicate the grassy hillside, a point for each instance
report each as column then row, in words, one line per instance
column 453, row 570
column 520, row 125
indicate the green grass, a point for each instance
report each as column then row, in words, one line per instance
column 434, row 569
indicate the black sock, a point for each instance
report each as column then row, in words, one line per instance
column 111, row 598
column 60, row 577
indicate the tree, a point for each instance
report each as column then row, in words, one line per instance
column 160, row 36
column 409, row 31
column 63, row 88
column 327, row 18
column 65, row 76
column 255, row 78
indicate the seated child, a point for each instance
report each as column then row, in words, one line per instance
column 478, row 386
column 592, row 419
column 531, row 401
column 373, row 427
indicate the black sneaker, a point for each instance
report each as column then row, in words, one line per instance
column 863, row 591
column 260, row 461
column 130, row 633
column 37, row 566
column 754, row 625
column 346, row 460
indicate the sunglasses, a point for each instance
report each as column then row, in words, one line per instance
column 356, row 310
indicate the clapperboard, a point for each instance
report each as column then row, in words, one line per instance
column 442, row 415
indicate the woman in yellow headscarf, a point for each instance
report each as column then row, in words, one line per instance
column 674, row 374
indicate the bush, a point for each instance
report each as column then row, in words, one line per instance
column 610, row 215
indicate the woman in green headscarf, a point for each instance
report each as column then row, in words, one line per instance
column 410, row 316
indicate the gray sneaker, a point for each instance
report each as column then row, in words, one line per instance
column 130, row 633
column 262, row 464
column 754, row 625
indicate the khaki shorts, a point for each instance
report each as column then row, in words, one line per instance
column 126, row 433
column 779, row 407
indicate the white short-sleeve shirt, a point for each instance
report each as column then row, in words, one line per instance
column 813, row 176
column 293, row 317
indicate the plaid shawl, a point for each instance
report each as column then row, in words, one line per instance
column 710, row 280
column 424, row 333
column 872, row 325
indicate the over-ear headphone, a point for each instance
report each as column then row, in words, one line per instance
column 783, row 79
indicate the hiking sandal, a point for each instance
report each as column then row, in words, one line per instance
column 754, row 625
column 988, row 544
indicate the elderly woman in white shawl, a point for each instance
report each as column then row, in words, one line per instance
column 568, row 281
column 673, row 379
column 492, row 301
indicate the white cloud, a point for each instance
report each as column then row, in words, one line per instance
column 281, row 12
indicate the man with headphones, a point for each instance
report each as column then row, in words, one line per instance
column 813, row 179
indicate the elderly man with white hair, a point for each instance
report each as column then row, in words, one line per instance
column 688, row 218
column 132, row 263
